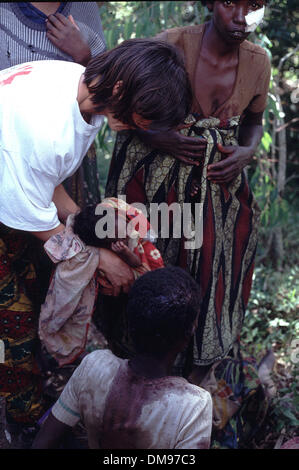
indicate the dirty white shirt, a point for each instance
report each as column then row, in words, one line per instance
column 122, row 410
column 43, row 139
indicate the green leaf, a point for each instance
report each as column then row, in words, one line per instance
column 266, row 141
column 290, row 415
column 128, row 28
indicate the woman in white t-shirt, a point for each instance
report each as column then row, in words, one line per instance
column 50, row 112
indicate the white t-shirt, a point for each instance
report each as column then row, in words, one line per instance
column 122, row 410
column 43, row 139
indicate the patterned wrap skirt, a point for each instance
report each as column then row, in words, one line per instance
column 223, row 265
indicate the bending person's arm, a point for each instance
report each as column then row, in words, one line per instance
column 45, row 235
column 116, row 271
column 65, row 206
column 64, row 203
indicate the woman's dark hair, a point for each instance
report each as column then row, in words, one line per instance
column 154, row 83
column 162, row 308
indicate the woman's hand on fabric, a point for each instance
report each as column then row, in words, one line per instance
column 186, row 149
column 116, row 271
column 65, row 34
column 235, row 159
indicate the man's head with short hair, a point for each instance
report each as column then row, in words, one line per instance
column 163, row 307
column 151, row 82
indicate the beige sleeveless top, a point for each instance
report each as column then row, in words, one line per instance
column 253, row 74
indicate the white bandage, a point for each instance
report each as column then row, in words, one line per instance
column 253, row 19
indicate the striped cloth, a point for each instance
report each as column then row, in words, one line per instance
column 23, row 40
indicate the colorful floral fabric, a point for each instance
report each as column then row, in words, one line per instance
column 239, row 402
column 20, row 379
column 65, row 315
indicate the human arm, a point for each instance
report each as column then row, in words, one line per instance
column 126, row 254
column 115, row 270
column 65, row 413
column 64, row 203
column 237, row 157
column 65, row 35
column 51, row 434
column 186, row 149
column 65, row 206
column 251, row 130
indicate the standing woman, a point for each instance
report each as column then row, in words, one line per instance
column 230, row 78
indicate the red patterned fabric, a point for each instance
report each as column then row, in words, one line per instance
column 20, row 379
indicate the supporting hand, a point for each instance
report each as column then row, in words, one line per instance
column 186, row 149
column 116, row 271
column 235, row 159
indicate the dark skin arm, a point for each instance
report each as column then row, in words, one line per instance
column 186, row 149
column 116, row 271
column 65, row 35
column 51, row 434
column 236, row 158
